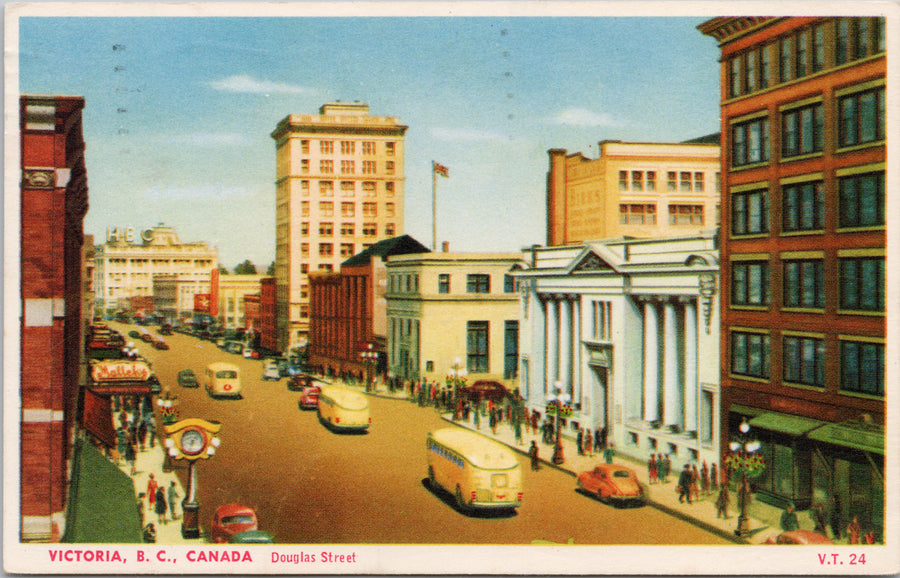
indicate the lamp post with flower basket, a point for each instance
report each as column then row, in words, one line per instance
column 457, row 374
column 746, row 464
column 558, row 404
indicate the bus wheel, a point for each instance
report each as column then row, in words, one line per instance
column 431, row 480
column 459, row 499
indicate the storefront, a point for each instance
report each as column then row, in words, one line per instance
column 110, row 378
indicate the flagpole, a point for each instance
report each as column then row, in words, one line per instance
column 433, row 207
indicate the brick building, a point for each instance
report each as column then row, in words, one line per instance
column 54, row 200
column 803, row 254
column 267, row 310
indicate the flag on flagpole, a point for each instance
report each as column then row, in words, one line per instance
column 440, row 169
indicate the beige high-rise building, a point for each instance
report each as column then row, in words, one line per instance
column 339, row 183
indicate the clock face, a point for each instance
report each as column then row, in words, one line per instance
column 192, row 442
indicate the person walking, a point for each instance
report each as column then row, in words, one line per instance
column 853, row 531
column 517, row 428
column 789, row 520
column 662, row 469
column 597, row 440
column 149, row 534
column 714, row 478
column 722, row 502
column 161, row 506
column 152, row 485
column 142, row 434
column 652, row 469
column 533, row 454
column 579, row 443
column 589, row 445
column 684, row 484
column 477, row 418
column 603, row 434
column 819, row 520
column 609, row 453
column 695, row 483
column 704, row 479
column 836, row 517
column 131, row 456
column 151, row 430
column 172, row 495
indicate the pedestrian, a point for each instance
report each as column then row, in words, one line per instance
column 684, row 484
column 493, row 421
column 603, row 434
column 789, row 520
column 836, row 517
column 161, row 506
column 652, row 470
column 714, row 478
column 149, row 534
column 704, row 479
column 533, row 454
column 142, row 434
column 151, row 430
column 853, row 530
column 870, row 537
column 550, row 432
column 597, row 443
column 695, row 483
column 662, row 469
column 534, row 421
column 131, row 456
column 172, row 495
column 477, row 419
column 121, row 442
column 589, row 445
column 609, row 453
column 668, row 468
column 817, row 514
column 579, row 443
column 517, row 427
column 722, row 502
column 152, row 485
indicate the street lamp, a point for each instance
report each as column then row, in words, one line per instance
column 559, row 400
column 458, row 373
column 747, row 464
column 369, row 357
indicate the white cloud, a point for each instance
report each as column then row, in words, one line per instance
column 242, row 83
column 212, row 139
column 584, row 117
column 467, row 135
column 202, row 194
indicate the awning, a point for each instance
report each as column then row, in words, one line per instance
column 102, row 503
column 856, row 435
column 785, row 423
column 746, row 409
column 97, row 417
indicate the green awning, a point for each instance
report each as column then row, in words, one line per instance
column 102, row 505
column 746, row 409
column 865, row 437
column 785, row 423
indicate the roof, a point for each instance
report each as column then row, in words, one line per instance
column 715, row 138
column 402, row 245
column 345, row 398
column 478, row 450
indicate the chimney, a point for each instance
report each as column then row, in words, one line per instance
column 445, row 246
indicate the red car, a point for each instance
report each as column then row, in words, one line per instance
column 612, row 483
column 232, row 519
column 801, row 537
column 300, row 382
column 309, row 397
column 484, row 390
column 159, row 344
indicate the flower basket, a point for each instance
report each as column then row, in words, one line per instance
column 169, row 415
column 750, row 466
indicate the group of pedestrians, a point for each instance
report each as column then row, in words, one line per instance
column 587, row 442
column 693, row 482
column 136, row 430
column 161, row 499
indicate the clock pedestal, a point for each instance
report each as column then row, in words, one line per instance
column 190, row 524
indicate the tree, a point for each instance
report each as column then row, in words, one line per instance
column 223, row 270
column 245, row 268
column 271, row 270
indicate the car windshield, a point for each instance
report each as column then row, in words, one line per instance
column 239, row 519
column 226, row 374
column 621, row 474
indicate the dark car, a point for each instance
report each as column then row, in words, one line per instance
column 165, row 329
column 251, row 537
column 800, row 537
column 186, row 378
column 147, row 337
column 484, row 391
column 159, row 344
column 300, row 382
column 134, row 334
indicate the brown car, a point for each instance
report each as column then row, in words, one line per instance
column 300, row 382
column 484, row 390
column 801, row 537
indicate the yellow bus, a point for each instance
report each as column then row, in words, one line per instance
column 343, row 409
column 222, row 380
column 478, row 472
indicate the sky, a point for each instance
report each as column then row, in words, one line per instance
column 179, row 111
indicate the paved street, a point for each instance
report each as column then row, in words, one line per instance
column 310, row 485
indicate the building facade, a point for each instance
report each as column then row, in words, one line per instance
column 339, row 182
column 268, row 308
column 348, row 310
column 229, row 290
column 173, row 296
column 127, row 263
column 632, row 189
column 628, row 329
column 452, row 311
column 53, row 201
column 803, row 254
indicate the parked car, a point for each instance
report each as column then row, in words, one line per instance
column 147, row 337
column 232, row 519
column 251, row 537
column 309, row 397
column 165, row 329
column 134, row 334
column 612, row 483
column 300, row 382
column 800, row 537
column 270, row 371
column 159, row 344
column 251, row 353
column 484, row 391
column 187, row 378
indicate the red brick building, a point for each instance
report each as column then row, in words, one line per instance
column 348, row 310
column 54, row 200
column 268, row 336
column 251, row 312
column 803, row 254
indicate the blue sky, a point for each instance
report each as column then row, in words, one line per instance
column 179, row 110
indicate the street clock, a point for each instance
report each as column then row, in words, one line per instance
column 192, row 439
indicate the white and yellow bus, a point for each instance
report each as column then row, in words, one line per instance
column 222, row 379
column 343, row 409
column 477, row 471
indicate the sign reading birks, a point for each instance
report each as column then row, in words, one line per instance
column 120, row 371
column 564, row 411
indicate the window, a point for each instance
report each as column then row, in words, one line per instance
column 304, row 229
column 784, row 59
column 389, row 209
column 685, row 215
column 750, row 283
column 861, row 200
column 304, row 267
column 326, row 209
column 347, row 229
column 444, row 283
column 326, row 267
column 801, row 63
column 389, row 229
column 304, row 147
column 718, row 182
column 304, row 311
column 862, row 283
column 750, row 212
column 510, row 349
column 804, row 283
column 477, row 346
column 389, row 189
column 623, row 180
column 348, row 167
column 304, row 208
column 861, row 117
column 326, row 249
column 348, row 147
column 804, row 360
column 326, row 188
column 370, row 230
column 478, row 283
column 879, row 34
column 802, row 130
column 842, row 42
column 346, row 249
column 818, row 51
column 750, row 354
column 651, row 181
column 862, row 367
column 304, row 249
column 368, row 167
column 326, row 167
column 637, row 214
column 304, row 165
column 750, row 142
column 637, row 181
column 803, row 206
column 389, row 167
column 368, row 148
column 509, row 284
column 734, row 77
column 348, row 189
column 672, row 181
column 861, row 40
column 601, row 319
column 348, row 210
column 370, row 209
column 750, row 71
column 326, row 147
column 764, row 66
column 326, row 229
column 698, row 182
column 389, row 148
column 685, row 182
column 368, row 189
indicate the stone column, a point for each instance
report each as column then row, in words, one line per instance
column 575, row 392
column 672, row 401
column 552, row 343
column 565, row 342
column 651, row 361
column 691, row 389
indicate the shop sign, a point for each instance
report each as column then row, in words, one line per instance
column 201, row 302
column 120, row 371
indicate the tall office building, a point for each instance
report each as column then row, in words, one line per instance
column 803, row 255
column 339, row 182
